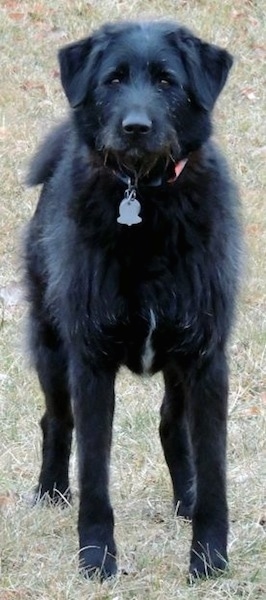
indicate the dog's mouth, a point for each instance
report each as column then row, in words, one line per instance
column 137, row 162
column 143, row 156
column 139, row 165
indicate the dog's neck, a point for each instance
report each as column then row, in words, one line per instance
column 153, row 181
column 130, row 207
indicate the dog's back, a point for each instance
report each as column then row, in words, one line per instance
column 49, row 154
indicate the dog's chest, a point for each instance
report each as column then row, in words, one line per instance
column 148, row 351
column 143, row 316
column 149, row 339
column 148, row 336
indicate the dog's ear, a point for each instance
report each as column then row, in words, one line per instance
column 73, row 60
column 207, row 67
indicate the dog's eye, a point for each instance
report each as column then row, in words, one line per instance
column 115, row 80
column 164, row 81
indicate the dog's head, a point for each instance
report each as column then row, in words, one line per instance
column 143, row 92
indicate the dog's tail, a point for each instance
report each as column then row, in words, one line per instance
column 48, row 155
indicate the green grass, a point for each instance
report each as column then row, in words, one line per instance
column 38, row 546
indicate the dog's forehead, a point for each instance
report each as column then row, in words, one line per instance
column 147, row 39
column 142, row 44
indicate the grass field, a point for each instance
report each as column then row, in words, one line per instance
column 38, row 546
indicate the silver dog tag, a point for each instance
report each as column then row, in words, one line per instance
column 129, row 209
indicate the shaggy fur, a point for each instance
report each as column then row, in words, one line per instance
column 156, row 295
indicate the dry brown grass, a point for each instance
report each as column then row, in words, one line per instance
column 38, row 547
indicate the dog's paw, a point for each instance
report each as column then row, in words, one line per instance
column 206, row 562
column 183, row 510
column 51, row 496
column 97, row 561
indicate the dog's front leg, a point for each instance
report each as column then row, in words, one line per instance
column 210, row 518
column 93, row 407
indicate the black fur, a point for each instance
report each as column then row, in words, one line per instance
column 141, row 97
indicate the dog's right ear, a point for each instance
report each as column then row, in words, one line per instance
column 73, row 60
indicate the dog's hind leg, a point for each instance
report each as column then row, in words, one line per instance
column 93, row 406
column 57, row 421
column 209, row 391
column 175, row 439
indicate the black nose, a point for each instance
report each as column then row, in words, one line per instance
column 136, row 123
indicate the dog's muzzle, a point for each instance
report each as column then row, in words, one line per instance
column 136, row 124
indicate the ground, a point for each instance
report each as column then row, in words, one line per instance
column 38, row 546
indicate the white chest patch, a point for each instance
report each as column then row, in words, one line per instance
column 148, row 352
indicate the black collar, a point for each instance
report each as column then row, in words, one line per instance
column 153, row 181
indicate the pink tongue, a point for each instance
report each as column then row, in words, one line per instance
column 180, row 166
column 178, row 170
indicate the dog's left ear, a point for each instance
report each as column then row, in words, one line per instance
column 207, row 67
column 73, row 61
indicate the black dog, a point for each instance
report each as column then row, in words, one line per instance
column 132, row 259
